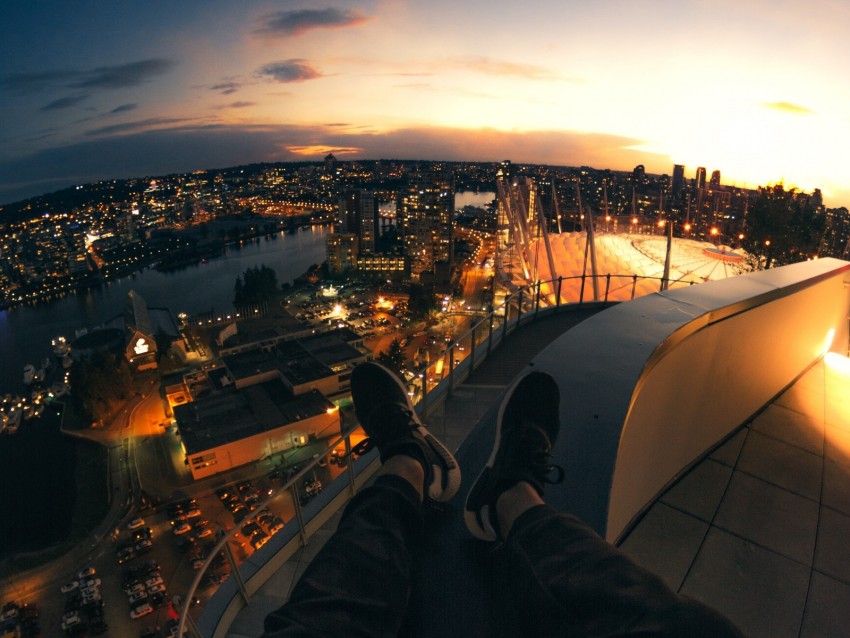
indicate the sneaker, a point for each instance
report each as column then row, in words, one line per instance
column 526, row 428
column 384, row 410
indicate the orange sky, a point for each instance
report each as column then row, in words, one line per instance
column 756, row 89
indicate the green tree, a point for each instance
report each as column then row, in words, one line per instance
column 393, row 357
column 783, row 226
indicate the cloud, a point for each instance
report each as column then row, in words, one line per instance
column 226, row 88
column 322, row 149
column 492, row 66
column 286, row 71
column 103, row 77
column 138, row 125
column 65, row 102
column 124, row 75
column 236, row 105
column 145, row 149
column 35, row 81
column 297, row 22
column 788, row 107
column 123, row 108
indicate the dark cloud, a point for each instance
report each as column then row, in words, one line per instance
column 159, row 151
column 286, row 23
column 36, row 81
column 138, row 125
column 226, row 88
column 132, row 106
column 236, row 105
column 65, row 102
column 104, row 77
column 294, row 70
column 124, row 75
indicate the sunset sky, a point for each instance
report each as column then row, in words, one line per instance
column 95, row 90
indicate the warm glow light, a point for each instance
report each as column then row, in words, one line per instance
column 714, row 231
column 837, row 362
column 830, row 337
column 688, row 227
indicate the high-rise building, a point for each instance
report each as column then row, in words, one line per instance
column 341, row 253
column 359, row 212
column 678, row 180
column 330, row 163
column 715, row 179
column 425, row 209
column 639, row 174
column 700, row 178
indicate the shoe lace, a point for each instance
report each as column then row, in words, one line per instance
column 395, row 413
column 534, row 452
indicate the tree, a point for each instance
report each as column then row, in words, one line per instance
column 393, row 357
column 256, row 286
column 421, row 301
column 101, row 384
column 783, row 227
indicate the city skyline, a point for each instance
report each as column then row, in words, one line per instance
column 97, row 91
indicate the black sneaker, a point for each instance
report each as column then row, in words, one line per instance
column 385, row 412
column 526, row 428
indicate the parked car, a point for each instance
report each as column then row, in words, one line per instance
column 69, row 587
column 134, row 588
column 86, row 572
column 182, row 528
column 143, row 533
column 142, row 547
column 153, row 581
column 275, row 525
column 136, row 523
column 137, row 597
column 142, row 610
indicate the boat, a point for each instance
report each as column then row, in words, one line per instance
column 29, row 373
column 14, row 421
column 60, row 347
column 59, row 389
column 38, row 377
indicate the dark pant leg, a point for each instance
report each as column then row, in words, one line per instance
column 567, row 581
column 359, row 583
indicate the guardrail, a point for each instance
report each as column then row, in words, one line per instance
column 428, row 385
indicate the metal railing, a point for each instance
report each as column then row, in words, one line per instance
column 431, row 383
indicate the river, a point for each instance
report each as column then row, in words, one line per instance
column 26, row 331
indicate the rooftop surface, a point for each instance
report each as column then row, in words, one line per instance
column 228, row 416
column 757, row 529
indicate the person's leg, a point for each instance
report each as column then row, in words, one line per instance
column 565, row 579
column 569, row 581
column 360, row 581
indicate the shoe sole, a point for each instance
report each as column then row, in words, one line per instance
column 446, row 474
column 478, row 519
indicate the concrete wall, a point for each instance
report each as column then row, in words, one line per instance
column 650, row 386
